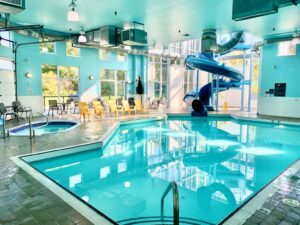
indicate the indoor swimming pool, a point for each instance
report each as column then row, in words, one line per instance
column 217, row 164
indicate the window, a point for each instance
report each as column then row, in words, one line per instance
column 160, row 81
column 6, row 36
column 72, row 51
column 287, row 48
column 59, row 82
column 112, row 83
column 188, row 81
column 48, row 47
column 103, row 54
column 122, row 57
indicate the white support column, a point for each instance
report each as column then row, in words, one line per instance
column 250, row 81
column 217, row 94
column 243, row 86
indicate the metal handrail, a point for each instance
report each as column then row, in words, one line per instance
column 174, row 188
column 4, row 125
column 31, row 129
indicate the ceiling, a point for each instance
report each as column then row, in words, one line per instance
column 162, row 18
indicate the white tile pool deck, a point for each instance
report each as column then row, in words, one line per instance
column 23, row 200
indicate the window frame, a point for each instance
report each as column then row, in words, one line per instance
column 283, row 48
column 51, row 53
column 75, row 56
column 59, row 79
column 115, row 81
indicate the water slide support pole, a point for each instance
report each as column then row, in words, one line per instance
column 197, row 84
column 217, row 95
column 243, row 86
column 217, row 87
column 212, row 91
column 250, row 81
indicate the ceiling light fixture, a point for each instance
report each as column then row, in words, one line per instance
column 82, row 37
column 73, row 15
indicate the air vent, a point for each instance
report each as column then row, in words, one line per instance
column 134, row 37
column 243, row 10
column 12, row 6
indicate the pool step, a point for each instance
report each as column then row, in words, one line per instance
column 157, row 220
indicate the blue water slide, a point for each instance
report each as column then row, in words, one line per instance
column 228, row 78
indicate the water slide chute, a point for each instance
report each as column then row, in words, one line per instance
column 228, row 77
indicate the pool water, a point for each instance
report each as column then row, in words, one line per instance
column 217, row 164
column 39, row 128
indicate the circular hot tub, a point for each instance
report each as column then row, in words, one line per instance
column 41, row 128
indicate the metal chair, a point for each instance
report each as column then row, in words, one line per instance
column 19, row 108
column 7, row 111
column 53, row 105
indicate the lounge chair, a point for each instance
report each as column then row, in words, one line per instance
column 114, row 108
column 7, row 111
column 84, row 110
column 98, row 109
column 128, row 108
column 139, row 107
column 19, row 108
column 53, row 105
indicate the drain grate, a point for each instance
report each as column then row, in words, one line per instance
column 291, row 202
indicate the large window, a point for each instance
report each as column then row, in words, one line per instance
column 112, row 83
column 48, row 47
column 188, row 80
column 160, row 81
column 59, row 82
column 72, row 51
column 287, row 48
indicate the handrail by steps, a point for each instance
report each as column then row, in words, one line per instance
column 172, row 186
column 46, row 124
column 4, row 121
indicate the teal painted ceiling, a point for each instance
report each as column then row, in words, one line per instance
column 162, row 18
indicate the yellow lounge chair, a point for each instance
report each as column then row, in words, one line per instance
column 84, row 110
column 98, row 109
column 139, row 107
column 127, row 107
column 114, row 108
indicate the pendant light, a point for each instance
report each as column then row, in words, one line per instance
column 73, row 15
column 82, row 37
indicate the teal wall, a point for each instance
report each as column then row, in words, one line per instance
column 29, row 59
column 280, row 69
column 6, row 52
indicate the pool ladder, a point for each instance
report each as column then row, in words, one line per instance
column 172, row 186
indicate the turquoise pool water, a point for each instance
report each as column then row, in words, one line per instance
column 217, row 164
column 41, row 128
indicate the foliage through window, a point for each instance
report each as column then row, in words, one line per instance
column 72, row 51
column 48, row 47
column 112, row 83
column 59, row 82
